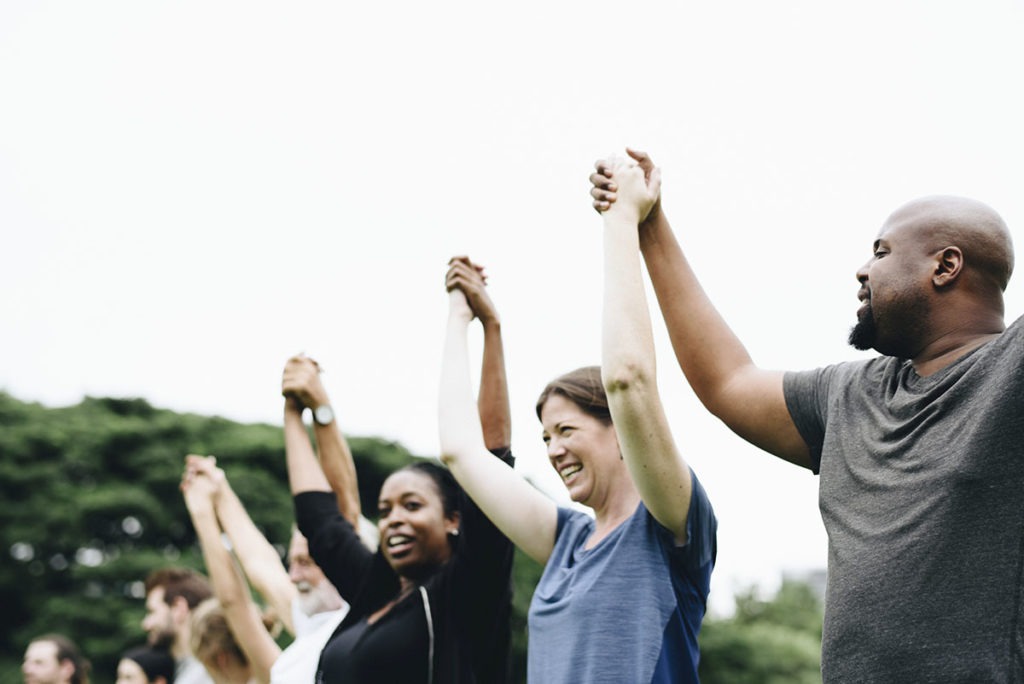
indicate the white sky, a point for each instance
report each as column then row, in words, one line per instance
column 191, row 192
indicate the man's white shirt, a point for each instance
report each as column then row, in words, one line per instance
column 297, row 664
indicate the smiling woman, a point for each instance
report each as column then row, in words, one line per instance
column 433, row 603
column 649, row 547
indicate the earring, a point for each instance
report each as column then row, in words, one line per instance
column 454, row 533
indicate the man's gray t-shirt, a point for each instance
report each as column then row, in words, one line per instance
column 922, row 496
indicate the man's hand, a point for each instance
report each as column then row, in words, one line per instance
column 469, row 278
column 300, row 383
column 604, row 190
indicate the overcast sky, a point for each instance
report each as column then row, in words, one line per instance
column 191, row 192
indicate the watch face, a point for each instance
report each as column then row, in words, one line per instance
column 323, row 414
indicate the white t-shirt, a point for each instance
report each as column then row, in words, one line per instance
column 297, row 663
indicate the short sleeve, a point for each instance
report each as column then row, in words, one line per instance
column 806, row 394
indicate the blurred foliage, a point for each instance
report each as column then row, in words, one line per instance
column 773, row 641
column 91, row 505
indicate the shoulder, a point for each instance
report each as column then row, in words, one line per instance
column 573, row 526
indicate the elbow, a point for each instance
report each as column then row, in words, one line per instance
column 626, row 376
column 448, row 458
column 451, row 452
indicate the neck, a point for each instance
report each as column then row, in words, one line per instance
column 617, row 507
column 951, row 346
column 180, row 648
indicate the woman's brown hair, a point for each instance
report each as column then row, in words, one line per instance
column 582, row 387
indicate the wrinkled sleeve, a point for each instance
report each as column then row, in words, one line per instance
column 806, row 395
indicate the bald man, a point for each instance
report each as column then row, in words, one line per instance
column 920, row 451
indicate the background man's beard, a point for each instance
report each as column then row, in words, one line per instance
column 319, row 599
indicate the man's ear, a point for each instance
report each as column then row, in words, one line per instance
column 179, row 610
column 67, row 669
column 948, row 266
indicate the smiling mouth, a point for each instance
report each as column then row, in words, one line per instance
column 569, row 471
column 399, row 545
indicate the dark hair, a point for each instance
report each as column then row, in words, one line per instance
column 183, row 582
column 445, row 482
column 582, row 387
column 155, row 662
column 69, row 651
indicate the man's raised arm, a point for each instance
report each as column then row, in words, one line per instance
column 748, row 399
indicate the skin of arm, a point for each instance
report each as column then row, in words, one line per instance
column 492, row 400
column 521, row 512
column 746, row 398
column 628, row 361
column 302, row 385
column 201, row 491
column 259, row 559
column 304, row 472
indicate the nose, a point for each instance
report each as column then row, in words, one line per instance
column 555, row 448
column 294, row 573
column 862, row 272
column 394, row 518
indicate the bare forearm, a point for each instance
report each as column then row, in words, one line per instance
column 340, row 469
column 259, row 559
column 304, row 471
column 227, row 585
column 627, row 355
column 493, row 403
column 748, row 399
column 458, row 421
column 706, row 348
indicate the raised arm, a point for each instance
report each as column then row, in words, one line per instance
column 304, row 471
column 628, row 362
column 520, row 511
column 748, row 399
column 301, row 383
column 492, row 400
column 259, row 559
column 229, row 586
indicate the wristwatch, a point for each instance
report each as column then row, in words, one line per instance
column 323, row 414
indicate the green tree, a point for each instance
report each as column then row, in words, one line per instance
column 774, row 641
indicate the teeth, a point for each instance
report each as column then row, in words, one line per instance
column 398, row 539
column 569, row 471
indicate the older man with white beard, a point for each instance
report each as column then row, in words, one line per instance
column 307, row 603
column 304, row 599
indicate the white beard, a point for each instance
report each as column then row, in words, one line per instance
column 319, row 599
